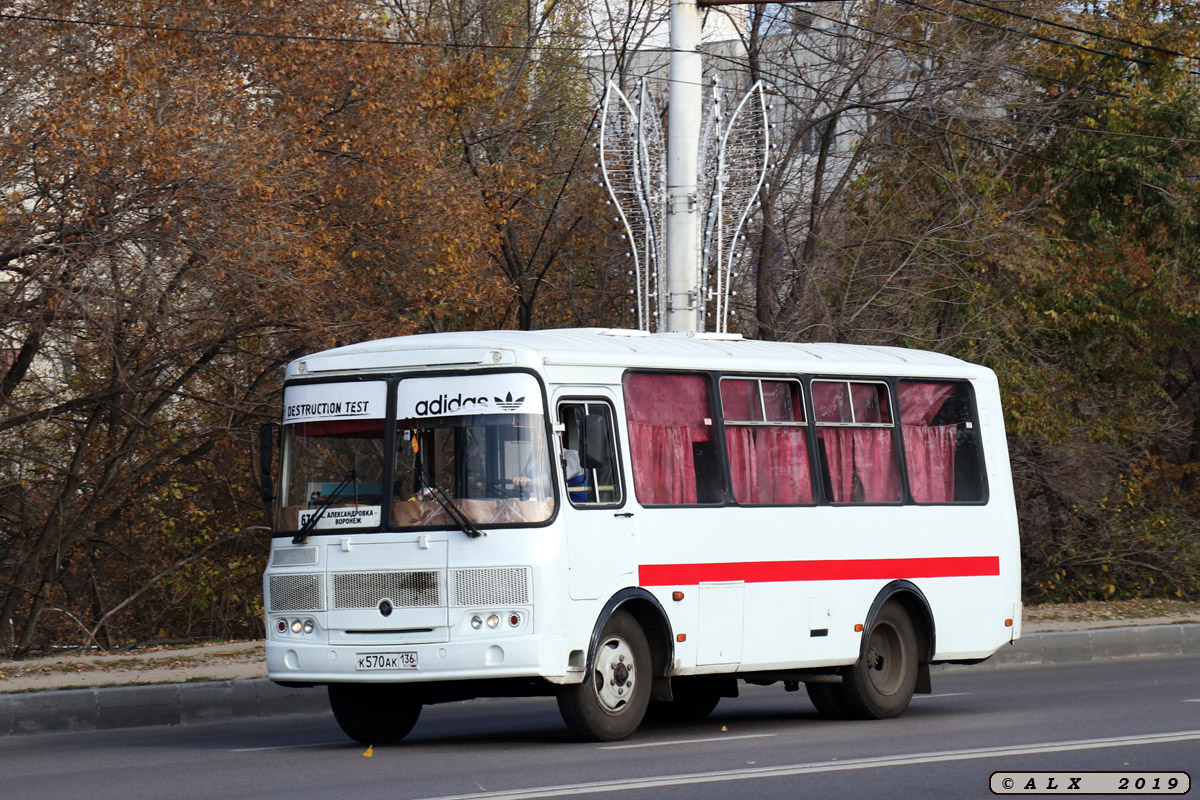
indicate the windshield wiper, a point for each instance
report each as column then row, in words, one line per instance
column 310, row 523
column 460, row 519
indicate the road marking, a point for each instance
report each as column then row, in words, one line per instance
column 287, row 747
column 661, row 781
column 943, row 694
column 688, row 741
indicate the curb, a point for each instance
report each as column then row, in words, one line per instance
column 104, row 708
column 1100, row 644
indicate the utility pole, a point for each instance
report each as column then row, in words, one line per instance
column 664, row 200
column 685, row 76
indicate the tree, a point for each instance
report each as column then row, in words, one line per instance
column 196, row 195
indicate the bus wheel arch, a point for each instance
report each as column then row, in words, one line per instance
column 913, row 601
column 650, row 615
column 894, row 655
column 630, row 643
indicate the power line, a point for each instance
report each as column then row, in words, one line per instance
column 1077, row 29
column 1047, row 39
column 151, row 27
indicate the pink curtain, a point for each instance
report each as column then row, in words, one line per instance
column 830, row 402
column 920, row 402
column 663, row 470
column 739, row 400
column 667, row 413
column 862, row 464
column 929, row 450
column 768, row 465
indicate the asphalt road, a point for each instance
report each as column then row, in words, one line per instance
column 1127, row 715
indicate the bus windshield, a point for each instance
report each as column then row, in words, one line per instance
column 477, row 442
column 333, row 456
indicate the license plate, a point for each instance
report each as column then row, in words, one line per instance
column 372, row 661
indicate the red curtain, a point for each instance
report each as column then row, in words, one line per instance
column 667, row 413
column 862, row 464
column 929, row 450
column 663, row 469
column 768, row 465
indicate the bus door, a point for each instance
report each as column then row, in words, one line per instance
column 599, row 529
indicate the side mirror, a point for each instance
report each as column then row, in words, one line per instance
column 266, row 454
column 595, row 451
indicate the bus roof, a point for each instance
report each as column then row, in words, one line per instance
column 622, row 348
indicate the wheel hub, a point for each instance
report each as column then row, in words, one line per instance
column 614, row 675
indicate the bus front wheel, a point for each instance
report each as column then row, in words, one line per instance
column 881, row 683
column 611, row 701
column 373, row 713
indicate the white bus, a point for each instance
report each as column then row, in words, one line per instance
column 633, row 522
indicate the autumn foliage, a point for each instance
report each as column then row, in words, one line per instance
column 195, row 193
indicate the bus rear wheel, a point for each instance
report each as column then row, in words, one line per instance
column 880, row 684
column 827, row 700
column 611, row 701
column 374, row 713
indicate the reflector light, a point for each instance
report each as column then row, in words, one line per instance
column 858, row 628
column 514, row 619
column 681, row 637
column 677, row 596
column 281, row 625
column 1008, row 623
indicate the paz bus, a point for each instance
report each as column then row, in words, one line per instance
column 633, row 523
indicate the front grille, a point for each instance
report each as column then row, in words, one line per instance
column 403, row 589
column 296, row 593
column 498, row 586
column 294, row 557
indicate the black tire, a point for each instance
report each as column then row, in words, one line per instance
column 374, row 713
column 880, row 684
column 826, row 698
column 693, row 701
column 611, row 701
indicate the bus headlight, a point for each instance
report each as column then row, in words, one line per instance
column 476, row 622
column 493, row 621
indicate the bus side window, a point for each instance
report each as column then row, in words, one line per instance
column 856, row 441
column 941, row 442
column 590, row 469
column 671, row 439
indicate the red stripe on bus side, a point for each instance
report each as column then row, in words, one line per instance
column 839, row 570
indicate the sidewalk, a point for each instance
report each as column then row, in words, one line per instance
column 227, row 681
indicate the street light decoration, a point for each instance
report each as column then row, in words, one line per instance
column 732, row 159
column 633, row 165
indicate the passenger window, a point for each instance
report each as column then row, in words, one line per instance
column 764, row 434
column 856, row 440
column 590, row 469
column 941, row 442
column 671, row 441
